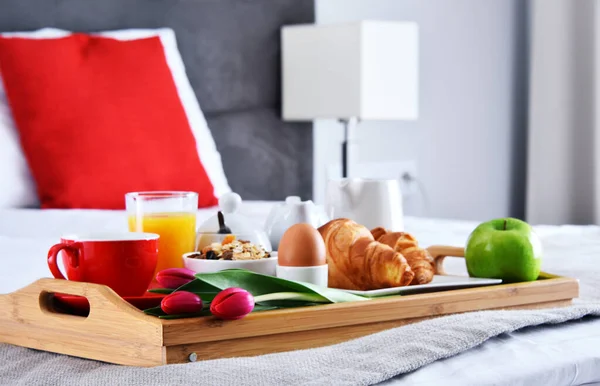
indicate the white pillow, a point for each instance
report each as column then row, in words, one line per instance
column 17, row 187
column 17, row 184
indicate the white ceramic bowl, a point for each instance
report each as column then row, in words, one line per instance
column 266, row 266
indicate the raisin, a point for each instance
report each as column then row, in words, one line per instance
column 211, row 255
column 227, row 255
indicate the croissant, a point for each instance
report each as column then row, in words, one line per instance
column 420, row 261
column 357, row 262
column 378, row 232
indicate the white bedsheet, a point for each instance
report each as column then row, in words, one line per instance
column 559, row 355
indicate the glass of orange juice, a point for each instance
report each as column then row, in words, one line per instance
column 172, row 215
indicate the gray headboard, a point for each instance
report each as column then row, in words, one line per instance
column 231, row 49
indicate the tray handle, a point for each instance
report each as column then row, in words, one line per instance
column 104, row 302
column 112, row 329
column 439, row 254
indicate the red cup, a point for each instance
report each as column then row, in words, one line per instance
column 124, row 261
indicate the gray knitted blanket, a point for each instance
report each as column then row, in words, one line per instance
column 364, row 361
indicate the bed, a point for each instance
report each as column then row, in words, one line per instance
column 231, row 52
column 565, row 354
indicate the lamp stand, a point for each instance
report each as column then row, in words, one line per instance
column 348, row 123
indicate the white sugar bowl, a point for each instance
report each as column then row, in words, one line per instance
column 292, row 211
column 239, row 225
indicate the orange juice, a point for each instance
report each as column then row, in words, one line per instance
column 177, row 235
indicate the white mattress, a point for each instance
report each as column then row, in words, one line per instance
column 559, row 355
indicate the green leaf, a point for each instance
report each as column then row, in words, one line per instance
column 260, row 307
column 290, row 299
column 288, row 303
column 206, row 296
column 258, row 284
column 300, row 296
column 165, row 291
column 199, row 286
column 154, row 311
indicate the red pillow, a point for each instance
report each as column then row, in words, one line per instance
column 99, row 117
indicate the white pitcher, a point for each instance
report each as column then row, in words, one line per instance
column 370, row 202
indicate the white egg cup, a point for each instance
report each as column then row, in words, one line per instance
column 314, row 274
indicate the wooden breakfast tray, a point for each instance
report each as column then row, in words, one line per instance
column 116, row 332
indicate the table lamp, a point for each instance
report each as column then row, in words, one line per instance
column 364, row 70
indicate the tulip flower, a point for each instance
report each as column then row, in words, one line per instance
column 181, row 302
column 174, row 278
column 232, row 303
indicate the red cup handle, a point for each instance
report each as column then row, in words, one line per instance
column 53, row 255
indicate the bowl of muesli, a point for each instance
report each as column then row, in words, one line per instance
column 216, row 252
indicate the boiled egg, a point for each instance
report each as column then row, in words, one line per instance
column 301, row 246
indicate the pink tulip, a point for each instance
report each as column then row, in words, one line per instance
column 174, row 278
column 181, row 302
column 232, row 303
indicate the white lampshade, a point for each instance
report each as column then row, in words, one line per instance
column 366, row 70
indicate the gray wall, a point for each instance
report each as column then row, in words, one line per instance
column 469, row 141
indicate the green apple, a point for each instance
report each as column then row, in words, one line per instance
column 504, row 248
